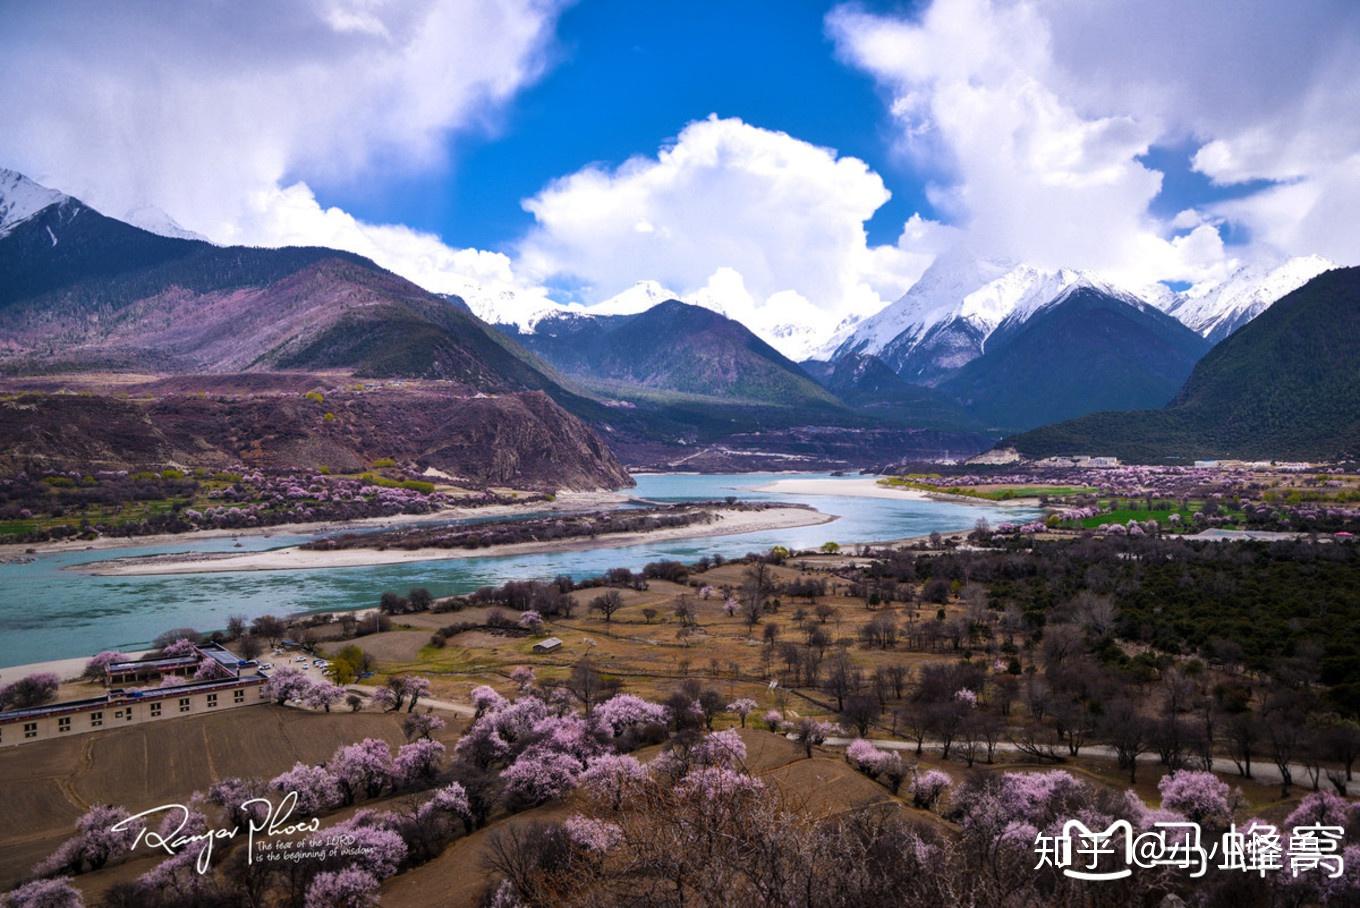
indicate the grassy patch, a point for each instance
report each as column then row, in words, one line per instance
column 1161, row 515
column 990, row 493
column 414, row 485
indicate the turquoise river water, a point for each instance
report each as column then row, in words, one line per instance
column 47, row 612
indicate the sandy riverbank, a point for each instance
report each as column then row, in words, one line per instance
column 65, row 669
column 294, row 558
column 868, row 487
column 566, row 501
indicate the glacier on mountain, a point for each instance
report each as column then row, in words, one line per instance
column 1217, row 310
column 946, row 318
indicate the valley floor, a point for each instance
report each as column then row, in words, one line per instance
column 294, row 558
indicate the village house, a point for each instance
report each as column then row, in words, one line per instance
column 241, row 684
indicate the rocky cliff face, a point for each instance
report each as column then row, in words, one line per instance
column 522, row 439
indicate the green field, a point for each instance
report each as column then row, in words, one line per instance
column 991, row 493
column 1161, row 515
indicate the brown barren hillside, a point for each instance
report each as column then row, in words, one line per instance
column 230, row 330
column 296, row 420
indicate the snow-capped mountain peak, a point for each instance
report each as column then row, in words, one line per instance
column 154, row 220
column 504, row 305
column 975, row 293
column 638, row 298
column 1217, row 310
column 1017, row 295
column 21, row 198
column 939, row 291
column 948, row 317
column 1158, row 295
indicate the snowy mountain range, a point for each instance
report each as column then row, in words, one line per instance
column 507, row 306
column 1218, row 310
column 943, row 321
column 797, row 331
column 962, row 301
column 22, row 198
column 939, row 325
column 154, row 220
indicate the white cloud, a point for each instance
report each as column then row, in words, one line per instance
column 1316, row 213
column 1037, row 112
column 755, row 222
column 293, row 217
column 1267, row 91
column 225, row 115
column 1188, row 219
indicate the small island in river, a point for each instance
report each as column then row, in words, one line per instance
column 499, row 537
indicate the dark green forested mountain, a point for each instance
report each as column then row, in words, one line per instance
column 870, row 385
column 1087, row 351
column 1287, row 385
column 71, row 254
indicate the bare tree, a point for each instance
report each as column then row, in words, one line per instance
column 587, row 685
column 607, row 604
column 843, row 679
column 249, row 646
column 861, row 711
column 1127, row 731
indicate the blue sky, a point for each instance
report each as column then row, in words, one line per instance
column 625, row 78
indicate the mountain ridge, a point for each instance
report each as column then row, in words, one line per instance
column 1220, row 309
column 1285, row 385
column 1087, row 350
column 678, row 347
column 946, row 319
column 84, row 293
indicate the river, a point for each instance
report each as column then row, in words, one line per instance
column 47, row 612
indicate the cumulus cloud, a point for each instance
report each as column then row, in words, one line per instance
column 292, row 216
column 765, row 226
column 1267, row 91
column 1035, row 116
column 226, row 115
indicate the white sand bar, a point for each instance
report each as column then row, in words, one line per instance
column 294, row 558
